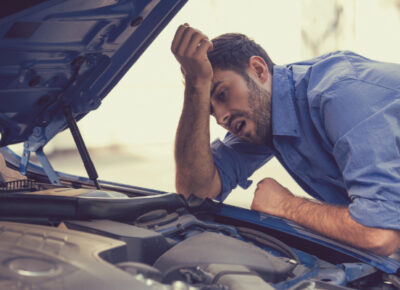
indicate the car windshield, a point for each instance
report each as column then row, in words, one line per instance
column 131, row 135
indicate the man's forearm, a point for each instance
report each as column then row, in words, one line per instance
column 329, row 220
column 336, row 222
column 195, row 170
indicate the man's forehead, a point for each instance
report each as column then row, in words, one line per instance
column 224, row 77
column 221, row 76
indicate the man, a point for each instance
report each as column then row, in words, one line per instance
column 333, row 122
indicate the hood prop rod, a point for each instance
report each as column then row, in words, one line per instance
column 80, row 144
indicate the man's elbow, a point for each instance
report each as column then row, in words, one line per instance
column 184, row 188
column 384, row 242
column 203, row 184
column 187, row 191
column 187, row 188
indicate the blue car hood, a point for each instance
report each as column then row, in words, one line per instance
column 59, row 54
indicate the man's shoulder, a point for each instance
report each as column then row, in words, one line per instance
column 329, row 69
column 317, row 75
column 337, row 56
column 324, row 72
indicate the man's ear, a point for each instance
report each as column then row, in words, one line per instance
column 258, row 68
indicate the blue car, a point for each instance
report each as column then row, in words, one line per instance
column 58, row 60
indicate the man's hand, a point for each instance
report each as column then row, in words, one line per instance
column 190, row 48
column 271, row 197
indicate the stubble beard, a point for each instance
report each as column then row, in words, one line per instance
column 260, row 112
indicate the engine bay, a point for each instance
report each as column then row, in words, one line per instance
column 77, row 238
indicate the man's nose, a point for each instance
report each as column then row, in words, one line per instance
column 222, row 116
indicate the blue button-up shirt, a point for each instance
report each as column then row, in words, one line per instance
column 336, row 130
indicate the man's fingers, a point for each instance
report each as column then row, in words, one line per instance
column 178, row 36
column 204, row 46
column 186, row 38
column 190, row 49
column 195, row 42
column 187, row 41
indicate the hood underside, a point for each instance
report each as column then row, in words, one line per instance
column 60, row 54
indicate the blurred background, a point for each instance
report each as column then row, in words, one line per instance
column 131, row 136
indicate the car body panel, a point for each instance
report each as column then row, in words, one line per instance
column 61, row 53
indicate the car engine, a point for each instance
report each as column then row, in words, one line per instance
column 66, row 238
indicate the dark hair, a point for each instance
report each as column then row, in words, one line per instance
column 232, row 51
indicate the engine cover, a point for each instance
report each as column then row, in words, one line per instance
column 39, row 257
column 212, row 248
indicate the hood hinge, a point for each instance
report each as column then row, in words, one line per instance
column 48, row 169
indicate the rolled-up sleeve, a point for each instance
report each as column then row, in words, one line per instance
column 370, row 157
column 365, row 132
column 236, row 161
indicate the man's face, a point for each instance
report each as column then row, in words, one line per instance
column 241, row 106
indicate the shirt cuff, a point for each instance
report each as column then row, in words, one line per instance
column 227, row 185
column 376, row 213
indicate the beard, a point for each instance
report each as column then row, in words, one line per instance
column 260, row 112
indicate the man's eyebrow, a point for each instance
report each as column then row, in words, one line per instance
column 214, row 87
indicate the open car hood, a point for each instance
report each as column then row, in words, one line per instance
column 59, row 56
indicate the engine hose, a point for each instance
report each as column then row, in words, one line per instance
column 268, row 241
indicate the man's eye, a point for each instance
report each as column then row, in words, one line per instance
column 221, row 97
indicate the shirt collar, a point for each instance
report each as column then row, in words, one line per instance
column 284, row 117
